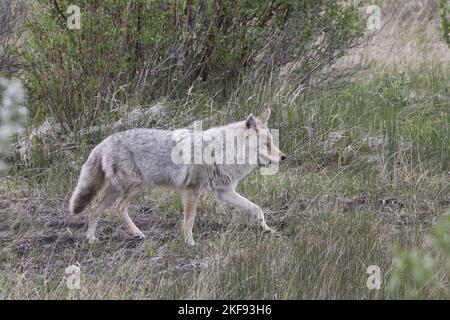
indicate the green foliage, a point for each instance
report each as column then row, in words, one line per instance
column 411, row 272
column 414, row 269
column 150, row 49
column 441, row 237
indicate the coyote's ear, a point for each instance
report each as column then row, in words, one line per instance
column 265, row 116
column 250, row 123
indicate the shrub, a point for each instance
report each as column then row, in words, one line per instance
column 415, row 270
column 161, row 48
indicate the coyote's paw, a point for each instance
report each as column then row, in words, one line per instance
column 139, row 236
column 273, row 233
column 91, row 238
column 268, row 230
column 190, row 243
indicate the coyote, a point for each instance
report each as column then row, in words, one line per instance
column 124, row 163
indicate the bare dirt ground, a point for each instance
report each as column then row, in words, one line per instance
column 44, row 236
column 38, row 229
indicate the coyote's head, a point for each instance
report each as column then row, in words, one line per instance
column 267, row 151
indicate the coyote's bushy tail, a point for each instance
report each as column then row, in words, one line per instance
column 90, row 182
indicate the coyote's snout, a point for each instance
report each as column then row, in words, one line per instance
column 126, row 162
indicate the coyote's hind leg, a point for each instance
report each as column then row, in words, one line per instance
column 123, row 211
column 111, row 195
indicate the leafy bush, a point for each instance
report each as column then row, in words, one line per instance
column 414, row 270
column 161, row 48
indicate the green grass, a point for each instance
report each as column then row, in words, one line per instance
column 368, row 171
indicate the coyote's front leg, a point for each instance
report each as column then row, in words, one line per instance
column 190, row 197
column 235, row 199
